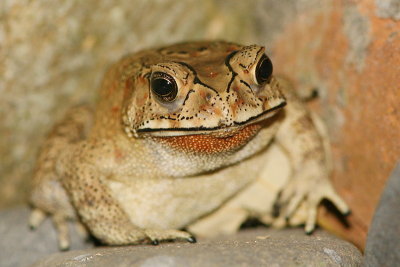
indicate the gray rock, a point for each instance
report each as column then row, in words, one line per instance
column 290, row 247
column 357, row 30
column 70, row 45
column 388, row 9
column 257, row 247
column 20, row 246
column 383, row 242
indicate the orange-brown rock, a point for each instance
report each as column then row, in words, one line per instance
column 351, row 53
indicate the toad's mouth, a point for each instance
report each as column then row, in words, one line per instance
column 222, row 131
column 217, row 142
column 213, row 140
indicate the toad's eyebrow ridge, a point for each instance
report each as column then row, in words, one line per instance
column 196, row 78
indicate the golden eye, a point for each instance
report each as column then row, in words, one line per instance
column 264, row 70
column 163, row 86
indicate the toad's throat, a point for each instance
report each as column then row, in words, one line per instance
column 211, row 143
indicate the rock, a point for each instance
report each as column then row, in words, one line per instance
column 20, row 246
column 253, row 247
column 259, row 247
column 69, row 46
column 348, row 53
column 383, row 243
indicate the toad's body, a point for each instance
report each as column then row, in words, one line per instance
column 177, row 132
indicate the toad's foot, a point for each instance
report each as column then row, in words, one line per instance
column 128, row 234
column 311, row 193
column 168, row 235
column 131, row 235
column 60, row 222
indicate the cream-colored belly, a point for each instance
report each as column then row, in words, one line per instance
column 256, row 200
column 175, row 203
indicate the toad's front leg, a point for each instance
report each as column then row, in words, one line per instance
column 304, row 143
column 102, row 213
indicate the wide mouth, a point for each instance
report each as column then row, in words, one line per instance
column 219, row 131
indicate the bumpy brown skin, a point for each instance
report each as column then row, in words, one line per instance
column 143, row 167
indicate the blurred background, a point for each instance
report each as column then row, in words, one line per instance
column 53, row 55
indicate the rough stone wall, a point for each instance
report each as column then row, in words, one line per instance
column 54, row 53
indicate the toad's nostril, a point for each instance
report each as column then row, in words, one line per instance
column 255, row 87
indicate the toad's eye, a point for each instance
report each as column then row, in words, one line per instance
column 263, row 70
column 163, row 86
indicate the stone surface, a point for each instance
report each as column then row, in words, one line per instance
column 388, row 9
column 251, row 247
column 383, row 242
column 20, row 246
column 247, row 248
column 53, row 56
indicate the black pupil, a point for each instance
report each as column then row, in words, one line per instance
column 162, row 87
column 264, row 70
